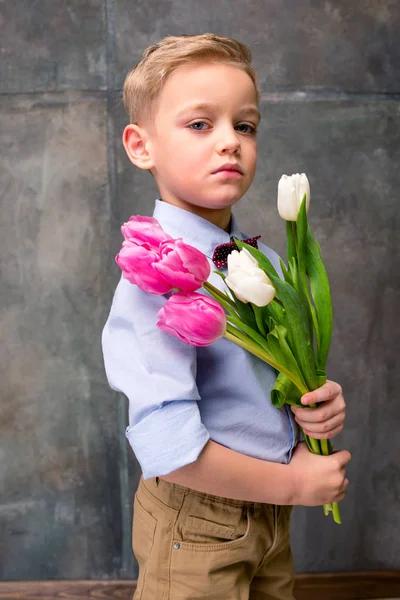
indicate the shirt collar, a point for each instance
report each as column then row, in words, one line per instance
column 195, row 230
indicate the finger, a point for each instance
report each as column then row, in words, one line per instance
column 339, row 497
column 325, row 436
column 328, row 391
column 325, row 411
column 316, row 415
column 323, row 428
column 342, row 491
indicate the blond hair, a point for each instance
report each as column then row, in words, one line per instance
column 145, row 81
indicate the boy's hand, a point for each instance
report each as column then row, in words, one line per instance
column 325, row 421
column 318, row 479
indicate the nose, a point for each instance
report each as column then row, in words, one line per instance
column 228, row 141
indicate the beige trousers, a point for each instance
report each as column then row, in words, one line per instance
column 191, row 546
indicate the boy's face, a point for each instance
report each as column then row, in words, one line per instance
column 205, row 125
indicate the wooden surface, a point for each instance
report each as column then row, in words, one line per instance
column 348, row 586
column 335, row 586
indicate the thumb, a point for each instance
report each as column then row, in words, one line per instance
column 343, row 456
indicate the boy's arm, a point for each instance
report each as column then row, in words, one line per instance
column 156, row 372
column 308, row 480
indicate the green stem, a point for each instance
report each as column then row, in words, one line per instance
column 248, row 344
column 238, row 333
column 324, row 447
column 253, row 335
column 314, row 443
column 296, row 243
column 278, row 302
column 258, row 313
column 217, row 294
column 303, row 283
column 327, row 509
column 336, row 513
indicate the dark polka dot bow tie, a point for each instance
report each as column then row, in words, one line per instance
column 221, row 252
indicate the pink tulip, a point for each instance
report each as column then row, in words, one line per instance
column 194, row 318
column 183, row 266
column 137, row 264
column 144, row 230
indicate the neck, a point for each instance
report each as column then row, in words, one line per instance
column 219, row 217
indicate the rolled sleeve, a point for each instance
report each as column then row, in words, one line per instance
column 157, row 373
column 168, row 438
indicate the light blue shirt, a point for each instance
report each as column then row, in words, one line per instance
column 181, row 396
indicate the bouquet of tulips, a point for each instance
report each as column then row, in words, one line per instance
column 284, row 320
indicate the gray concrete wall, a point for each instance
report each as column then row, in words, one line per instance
column 330, row 76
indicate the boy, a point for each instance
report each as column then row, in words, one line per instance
column 221, row 466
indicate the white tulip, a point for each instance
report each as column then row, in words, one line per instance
column 247, row 280
column 291, row 190
column 241, row 260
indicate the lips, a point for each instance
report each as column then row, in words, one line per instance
column 229, row 167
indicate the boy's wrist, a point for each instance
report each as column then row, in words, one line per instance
column 293, row 484
column 281, row 480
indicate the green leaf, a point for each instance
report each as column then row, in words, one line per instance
column 239, row 337
column 301, row 233
column 285, row 392
column 321, row 295
column 271, row 323
column 245, row 311
column 282, row 352
column 254, row 335
column 321, row 377
column 286, row 272
column 295, row 319
column 259, row 315
column 220, row 274
column 275, row 311
column 294, row 273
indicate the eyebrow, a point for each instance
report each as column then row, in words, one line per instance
column 246, row 110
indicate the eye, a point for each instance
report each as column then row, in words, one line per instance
column 246, row 128
column 199, row 126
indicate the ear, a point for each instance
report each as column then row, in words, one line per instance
column 136, row 144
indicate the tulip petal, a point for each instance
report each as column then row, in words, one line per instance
column 137, row 265
column 182, row 265
column 291, row 190
column 254, row 287
column 194, row 318
column 142, row 230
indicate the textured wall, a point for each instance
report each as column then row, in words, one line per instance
column 330, row 76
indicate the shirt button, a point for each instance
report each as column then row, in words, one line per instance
column 177, row 545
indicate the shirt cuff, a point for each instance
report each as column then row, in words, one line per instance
column 168, row 438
